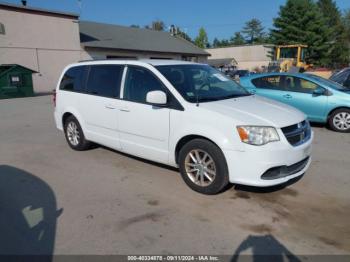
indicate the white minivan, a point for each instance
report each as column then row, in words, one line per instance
column 185, row 115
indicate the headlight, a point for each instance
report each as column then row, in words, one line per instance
column 257, row 135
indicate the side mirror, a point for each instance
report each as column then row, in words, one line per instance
column 319, row 91
column 156, row 98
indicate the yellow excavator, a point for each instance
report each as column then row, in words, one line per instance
column 289, row 57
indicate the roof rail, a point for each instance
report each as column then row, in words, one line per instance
column 89, row 60
column 108, row 59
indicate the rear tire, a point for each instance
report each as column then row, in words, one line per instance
column 339, row 120
column 203, row 167
column 74, row 135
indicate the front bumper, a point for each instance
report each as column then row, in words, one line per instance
column 250, row 166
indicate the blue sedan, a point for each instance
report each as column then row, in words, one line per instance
column 322, row 100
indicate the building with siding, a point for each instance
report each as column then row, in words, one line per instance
column 43, row 40
column 246, row 56
column 104, row 41
column 46, row 41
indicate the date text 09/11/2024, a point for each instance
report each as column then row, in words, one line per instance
column 173, row 258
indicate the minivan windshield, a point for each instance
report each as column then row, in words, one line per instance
column 201, row 83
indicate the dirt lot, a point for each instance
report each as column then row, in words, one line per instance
column 104, row 202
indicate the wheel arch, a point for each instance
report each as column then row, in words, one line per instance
column 71, row 112
column 335, row 109
column 65, row 116
column 184, row 140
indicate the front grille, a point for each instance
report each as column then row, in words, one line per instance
column 297, row 134
column 283, row 171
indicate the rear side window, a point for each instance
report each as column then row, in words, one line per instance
column 73, row 79
column 104, row 80
column 267, row 82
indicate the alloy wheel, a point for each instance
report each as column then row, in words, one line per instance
column 342, row 121
column 73, row 133
column 200, row 167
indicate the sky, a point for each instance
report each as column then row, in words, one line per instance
column 220, row 18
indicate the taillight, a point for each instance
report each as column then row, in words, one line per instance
column 54, row 98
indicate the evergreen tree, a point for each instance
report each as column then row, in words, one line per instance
column 226, row 42
column 183, row 35
column 237, row 39
column 253, row 31
column 339, row 49
column 301, row 22
column 202, row 39
column 346, row 24
column 216, row 42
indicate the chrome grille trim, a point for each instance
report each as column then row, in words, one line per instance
column 297, row 134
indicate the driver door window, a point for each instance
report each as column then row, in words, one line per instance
column 300, row 85
column 139, row 81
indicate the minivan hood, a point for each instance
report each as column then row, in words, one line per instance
column 256, row 110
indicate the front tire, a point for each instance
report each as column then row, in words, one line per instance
column 339, row 120
column 74, row 135
column 203, row 167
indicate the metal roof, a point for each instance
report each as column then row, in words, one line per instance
column 143, row 62
column 164, row 62
column 14, row 7
column 5, row 68
column 101, row 35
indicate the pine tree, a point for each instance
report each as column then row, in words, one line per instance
column 301, row 22
column 216, row 42
column 253, row 31
column 339, row 49
column 183, row 35
column 202, row 39
column 237, row 39
column 346, row 24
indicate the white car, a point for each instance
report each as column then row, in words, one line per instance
column 185, row 115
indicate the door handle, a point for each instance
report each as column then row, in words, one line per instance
column 288, row 96
column 253, row 91
column 124, row 109
column 109, row 107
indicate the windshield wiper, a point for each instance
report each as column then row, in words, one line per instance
column 233, row 96
column 210, row 99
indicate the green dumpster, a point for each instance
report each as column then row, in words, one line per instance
column 15, row 81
